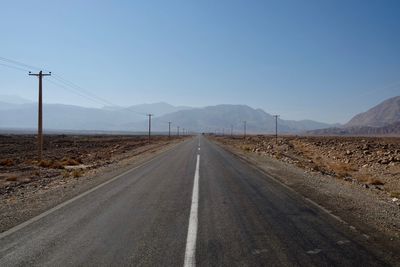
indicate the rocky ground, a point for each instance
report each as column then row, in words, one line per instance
column 71, row 164
column 356, row 178
column 372, row 162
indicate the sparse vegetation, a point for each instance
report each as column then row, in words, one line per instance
column 12, row 179
column 77, row 173
column 7, row 162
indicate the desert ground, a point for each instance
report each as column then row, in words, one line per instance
column 373, row 162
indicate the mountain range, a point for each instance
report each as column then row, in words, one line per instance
column 18, row 113
column 23, row 115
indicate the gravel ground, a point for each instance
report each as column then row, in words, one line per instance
column 370, row 210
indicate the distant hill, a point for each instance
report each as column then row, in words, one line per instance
column 221, row 117
column 158, row 109
column 385, row 113
column 70, row 117
column 212, row 118
column 383, row 119
column 392, row 129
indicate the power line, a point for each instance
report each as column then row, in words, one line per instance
column 20, row 64
column 13, row 67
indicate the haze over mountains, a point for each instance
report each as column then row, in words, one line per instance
column 20, row 114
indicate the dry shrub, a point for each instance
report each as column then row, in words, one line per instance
column 70, row 162
column 53, row 164
column 374, row 181
column 66, row 174
column 246, row 148
column 45, row 163
column 395, row 194
column 7, row 162
column 342, row 169
column 12, row 179
column 77, row 173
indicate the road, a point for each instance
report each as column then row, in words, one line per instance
column 195, row 204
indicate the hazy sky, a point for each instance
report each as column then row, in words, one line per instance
column 318, row 59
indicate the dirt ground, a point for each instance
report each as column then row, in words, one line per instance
column 373, row 162
column 64, row 157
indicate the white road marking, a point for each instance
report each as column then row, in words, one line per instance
column 199, row 148
column 59, row 206
column 190, row 252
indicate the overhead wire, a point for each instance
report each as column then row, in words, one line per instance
column 67, row 85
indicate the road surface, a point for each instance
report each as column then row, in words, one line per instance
column 194, row 205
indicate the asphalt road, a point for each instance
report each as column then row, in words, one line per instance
column 188, row 206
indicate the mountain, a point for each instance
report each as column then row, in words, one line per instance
column 383, row 119
column 70, row 117
column 222, row 117
column 392, row 129
column 385, row 113
column 212, row 118
column 158, row 109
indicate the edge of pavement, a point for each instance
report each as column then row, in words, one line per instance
column 50, row 200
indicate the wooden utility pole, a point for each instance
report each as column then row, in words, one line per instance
column 244, row 128
column 169, row 129
column 178, row 130
column 276, row 128
column 231, row 130
column 40, row 115
column 149, row 125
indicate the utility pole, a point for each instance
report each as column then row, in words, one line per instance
column 40, row 115
column 169, row 129
column 276, row 128
column 183, row 131
column 149, row 125
column 223, row 131
column 244, row 128
column 178, row 130
column 231, row 130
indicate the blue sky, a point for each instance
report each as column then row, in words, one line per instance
column 312, row 59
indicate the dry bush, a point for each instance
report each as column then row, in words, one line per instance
column 395, row 194
column 12, row 179
column 77, row 173
column 7, row 162
column 66, row 174
column 45, row 163
column 246, row 148
column 374, row 181
column 56, row 165
column 341, row 169
column 70, row 162
column 53, row 164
